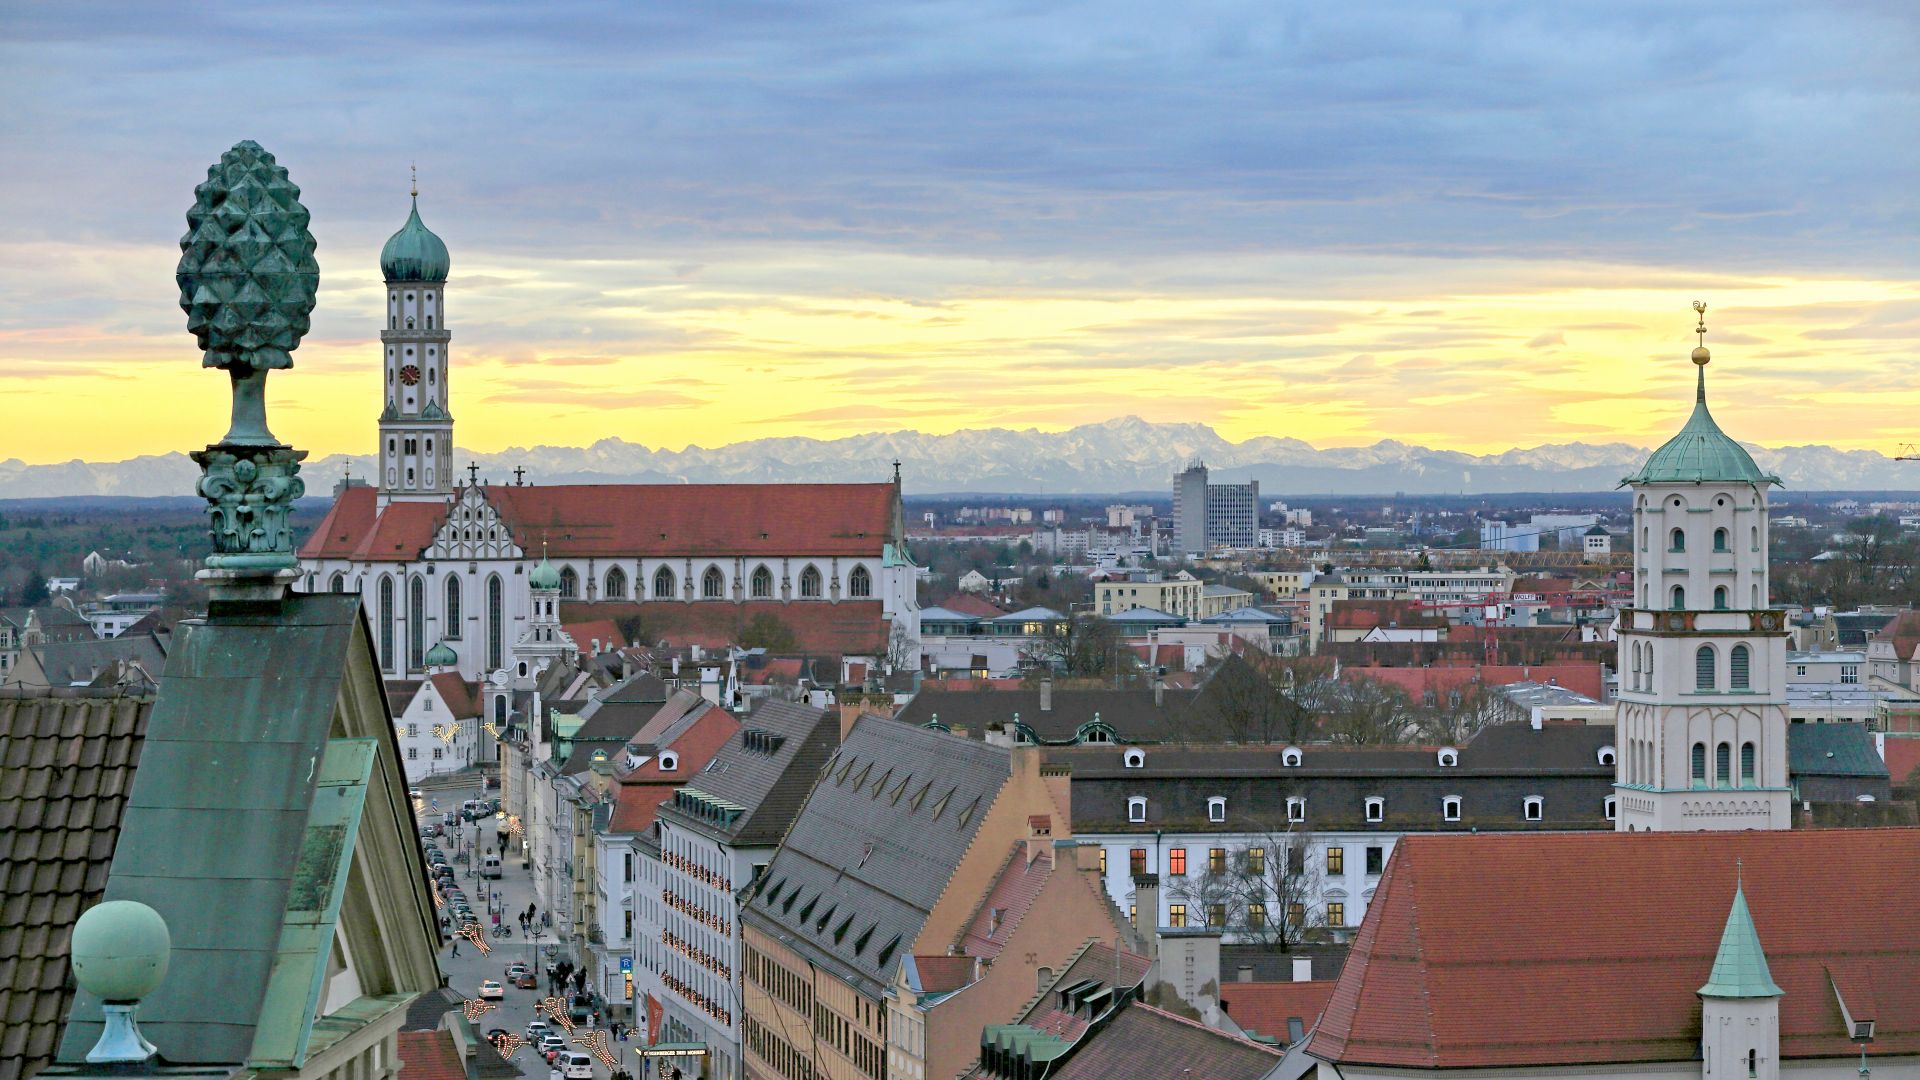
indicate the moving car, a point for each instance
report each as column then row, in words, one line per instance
column 491, row 991
column 574, row 1065
column 551, row 1044
column 525, row 980
column 536, row 1031
column 490, row 866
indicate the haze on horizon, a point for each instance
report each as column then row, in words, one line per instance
column 1472, row 229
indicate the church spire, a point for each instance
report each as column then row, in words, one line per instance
column 1740, row 967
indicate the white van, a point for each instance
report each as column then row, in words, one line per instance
column 574, row 1066
column 475, row 809
column 490, row 866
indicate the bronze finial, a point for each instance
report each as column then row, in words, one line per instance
column 413, row 172
column 1700, row 353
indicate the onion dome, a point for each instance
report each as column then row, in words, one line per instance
column 1701, row 453
column 544, row 576
column 415, row 253
column 442, row 656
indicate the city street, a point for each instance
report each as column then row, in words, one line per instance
column 510, row 894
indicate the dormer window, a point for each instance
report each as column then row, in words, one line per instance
column 1134, row 759
column 1450, row 808
column 1607, row 756
column 1611, row 808
column 1290, row 757
column 1216, row 809
column 669, row 761
column 1533, row 808
column 1137, row 808
column 1376, row 808
column 1449, row 757
column 1296, row 808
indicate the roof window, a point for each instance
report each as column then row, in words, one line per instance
column 1134, row 758
column 1449, row 757
column 1291, row 757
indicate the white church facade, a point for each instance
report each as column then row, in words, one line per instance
column 442, row 559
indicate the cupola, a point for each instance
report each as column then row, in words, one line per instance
column 415, row 253
column 1701, row 453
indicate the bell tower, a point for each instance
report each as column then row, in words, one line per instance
column 416, row 429
column 1701, row 716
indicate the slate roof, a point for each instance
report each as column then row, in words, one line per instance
column 1096, row 965
column 1131, row 713
column 1833, row 750
column 877, row 842
column 767, row 768
column 1503, row 765
column 1143, row 1033
column 632, row 520
column 75, row 663
column 67, row 761
column 1435, row 982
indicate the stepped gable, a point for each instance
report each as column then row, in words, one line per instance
column 67, row 760
column 1435, row 981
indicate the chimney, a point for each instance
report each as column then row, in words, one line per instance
column 1159, row 691
column 849, row 714
column 1245, row 974
column 1146, row 912
column 1302, row 969
column 1046, row 693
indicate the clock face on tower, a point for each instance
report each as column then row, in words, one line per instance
column 410, row 375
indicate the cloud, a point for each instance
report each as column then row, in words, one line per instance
column 1544, row 340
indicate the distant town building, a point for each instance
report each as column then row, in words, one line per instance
column 1207, row 516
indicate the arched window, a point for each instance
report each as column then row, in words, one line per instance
column 1679, row 597
column 1737, row 664
column 616, row 584
column 1134, row 759
column 1137, row 808
column 1719, row 598
column 338, row 584
column 859, row 583
column 1755, row 531
column 1720, row 540
column 496, row 623
column 713, row 584
column 1216, row 808
column 1677, row 540
column 569, row 583
column 1699, row 764
column 1611, row 807
column 1748, row 765
column 810, row 583
column 1533, row 808
column 1755, row 606
column 663, row 584
column 762, row 583
column 499, row 709
column 1643, row 537
column 451, row 630
column 1723, row 765
column 416, row 623
column 386, row 622
column 1376, row 808
column 1450, row 808
column 1703, row 665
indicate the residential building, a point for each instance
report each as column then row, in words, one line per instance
column 1713, row 964
column 1893, row 651
column 924, row 884
column 112, row 614
column 438, row 721
column 1206, row 515
column 1597, row 541
column 1318, row 822
column 1179, row 596
column 1004, row 644
column 1702, row 700
column 1220, row 599
column 711, row 841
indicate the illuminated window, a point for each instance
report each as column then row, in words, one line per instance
column 1177, row 862
column 1336, row 913
column 1336, row 860
column 1176, row 914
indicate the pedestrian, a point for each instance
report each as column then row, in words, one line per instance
column 456, row 946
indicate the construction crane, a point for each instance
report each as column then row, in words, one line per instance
column 1908, row 452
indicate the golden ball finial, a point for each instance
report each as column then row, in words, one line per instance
column 1700, row 353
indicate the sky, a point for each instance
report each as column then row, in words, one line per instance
column 1473, row 226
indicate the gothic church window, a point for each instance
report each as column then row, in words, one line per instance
column 451, row 631
column 860, row 583
column 712, row 585
column 416, row 623
column 569, row 583
column 338, row 584
column 386, row 620
column 663, row 584
column 496, row 622
column 762, row 583
column 810, row 583
column 616, row 584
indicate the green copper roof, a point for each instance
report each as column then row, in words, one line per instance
column 1701, row 453
column 544, row 576
column 442, row 656
column 414, row 253
column 1740, row 967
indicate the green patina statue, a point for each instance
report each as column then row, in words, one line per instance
column 247, row 280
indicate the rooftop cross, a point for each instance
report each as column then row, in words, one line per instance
column 473, row 472
column 518, row 472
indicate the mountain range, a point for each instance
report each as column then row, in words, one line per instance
column 1116, row 456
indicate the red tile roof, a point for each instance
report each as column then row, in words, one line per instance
column 1582, row 677
column 429, row 1055
column 1902, row 756
column 1367, row 614
column 630, row 520
column 1469, row 957
column 462, row 697
column 941, row 974
column 604, row 631
column 785, row 670
column 1012, row 896
column 819, row 628
column 969, row 604
column 1265, row 1008
column 638, row 793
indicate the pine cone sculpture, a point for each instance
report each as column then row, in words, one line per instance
column 247, row 274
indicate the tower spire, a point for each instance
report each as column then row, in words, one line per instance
column 1700, row 354
column 413, row 172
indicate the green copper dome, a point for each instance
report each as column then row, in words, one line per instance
column 441, row 656
column 1701, row 453
column 544, row 576
column 414, row 253
column 1740, row 967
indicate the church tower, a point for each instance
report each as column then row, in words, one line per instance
column 416, row 430
column 1702, row 710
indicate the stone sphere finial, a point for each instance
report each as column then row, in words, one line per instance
column 120, row 950
column 247, row 274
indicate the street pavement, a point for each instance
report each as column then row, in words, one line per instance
column 465, row 970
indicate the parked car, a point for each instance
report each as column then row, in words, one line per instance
column 551, row 1045
column 491, row 991
column 574, row 1065
column 537, row 1031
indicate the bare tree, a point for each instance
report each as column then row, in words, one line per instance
column 1367, row 712
column 900, row 649
column 1454, row 717
column 1085, row 646
column 1245, row 700
column 1261, row 889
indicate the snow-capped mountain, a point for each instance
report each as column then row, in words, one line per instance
column 1122, row 455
